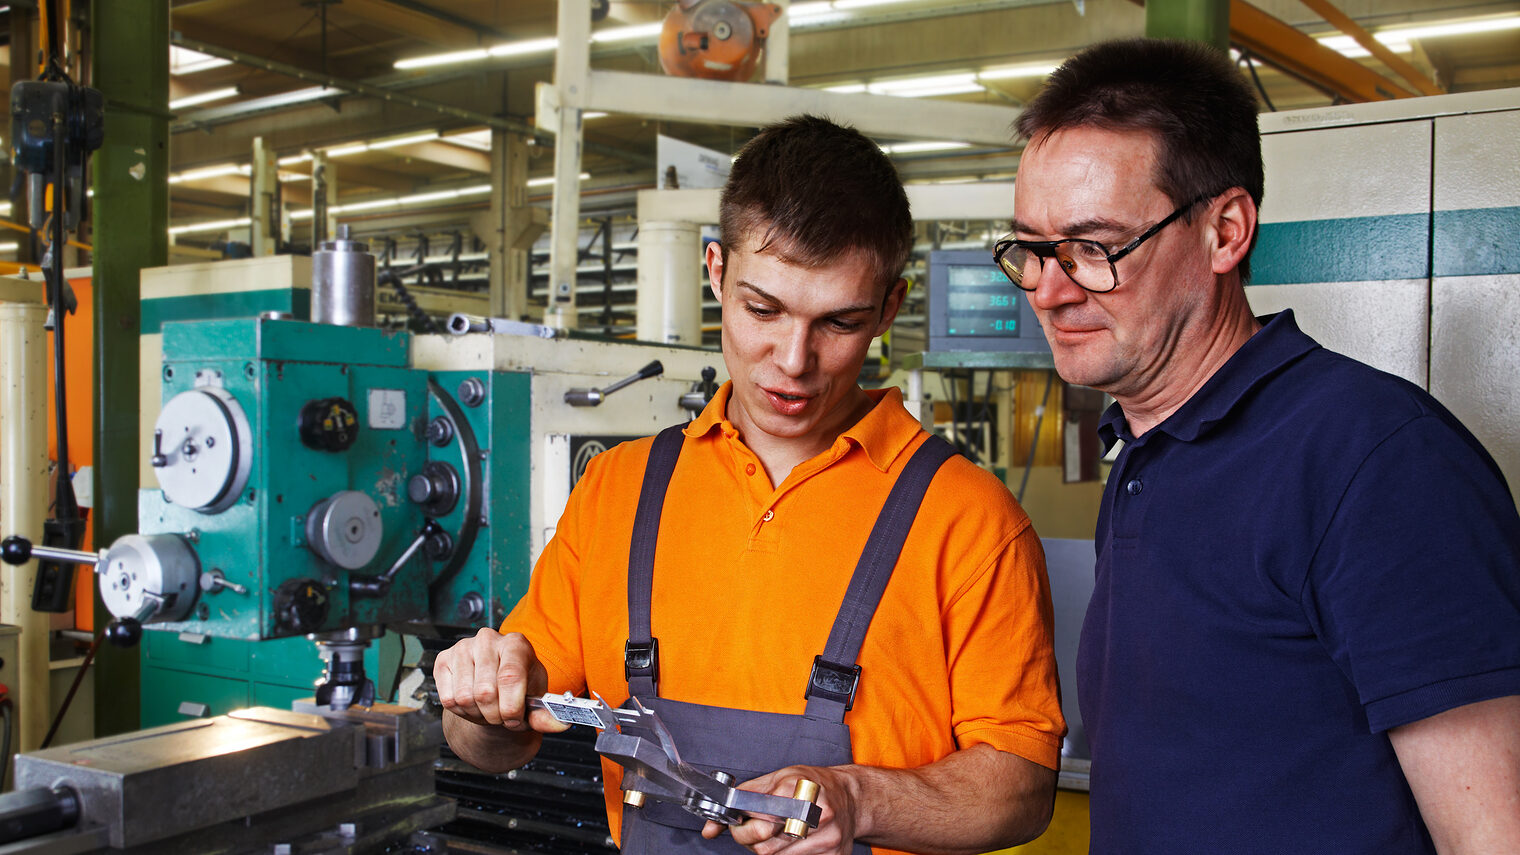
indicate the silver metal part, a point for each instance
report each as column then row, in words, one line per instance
column 638, row 741
column 150, row 578
column 593, row 397
column 249, row 781
column 205, row 448
column 345, row 529
column 461, row 324
column 343, row 282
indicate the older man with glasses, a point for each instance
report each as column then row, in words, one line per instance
column 1305, row 629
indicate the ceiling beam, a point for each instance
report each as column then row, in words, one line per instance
column 1303, row 57
column 420, row 22
column 1343, row 22
column 446, row 154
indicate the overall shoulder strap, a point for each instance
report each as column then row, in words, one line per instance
column 641, row 653
column 831, row 685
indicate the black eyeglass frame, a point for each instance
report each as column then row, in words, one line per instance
column 1045, row 249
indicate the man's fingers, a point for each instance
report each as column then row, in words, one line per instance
column 544, row 722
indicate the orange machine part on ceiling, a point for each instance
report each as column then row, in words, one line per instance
column 715, row 39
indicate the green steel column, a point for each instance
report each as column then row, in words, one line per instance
column 130, row 44
column 1196, row 20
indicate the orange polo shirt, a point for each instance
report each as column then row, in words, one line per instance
column 748, row 579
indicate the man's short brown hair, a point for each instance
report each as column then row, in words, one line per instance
column 1189, row 95
column 814, row 192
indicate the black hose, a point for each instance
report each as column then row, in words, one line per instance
column 393, row 279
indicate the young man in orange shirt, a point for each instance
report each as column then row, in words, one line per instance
column 784, row 616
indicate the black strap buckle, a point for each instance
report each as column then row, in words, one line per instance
column 642, row 659
column 833, row 681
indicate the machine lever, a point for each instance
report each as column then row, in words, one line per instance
column 18, row 550
column 158, row 460
column 592, row 397
column 379, row 586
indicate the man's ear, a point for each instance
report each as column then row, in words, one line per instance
column 714, row 262
column 1232, row 222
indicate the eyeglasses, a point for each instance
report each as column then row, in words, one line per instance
column 1086, row 262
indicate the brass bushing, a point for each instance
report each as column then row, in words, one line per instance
column 634, row 798
column 806, row 791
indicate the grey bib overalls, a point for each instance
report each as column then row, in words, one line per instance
column 745, row 743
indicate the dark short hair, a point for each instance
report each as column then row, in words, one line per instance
column 813, row 191
column 1189, row 95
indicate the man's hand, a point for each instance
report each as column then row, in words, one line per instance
column 485, row 681
column 975, row 800
column 837, row 823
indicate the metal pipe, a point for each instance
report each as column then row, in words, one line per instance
column 23, row 501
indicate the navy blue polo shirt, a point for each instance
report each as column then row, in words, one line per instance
column 1307, row 553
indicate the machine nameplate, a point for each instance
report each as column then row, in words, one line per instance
column 387, row 409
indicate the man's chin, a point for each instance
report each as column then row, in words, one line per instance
column 1078, row 371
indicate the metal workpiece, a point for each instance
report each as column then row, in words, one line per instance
column 393, row 735
column 345, row 529
column 203, row 449
column 247, row 782
column 163, row 782
column 462, row 324
column 638, row 741
column 343, row 282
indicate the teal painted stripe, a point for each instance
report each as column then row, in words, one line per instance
column 1353, row 249
column 1477, row 242
column 238, row 304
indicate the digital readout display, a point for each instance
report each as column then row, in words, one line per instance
column 980, row 301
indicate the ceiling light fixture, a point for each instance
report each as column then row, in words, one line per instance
column 429, row 136
column 187, row 61
column 1008, row 72
column 629, row 33
column 546, row 180
column 916, row 87
column 210, row 226
column 1398, row 38
column 920, row 147
column 205, row 97
column 295, row 96
column 528, row 47
column 210, row 172
column 399, row 201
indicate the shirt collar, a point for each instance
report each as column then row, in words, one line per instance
column 1278, row 343
column 883, row 433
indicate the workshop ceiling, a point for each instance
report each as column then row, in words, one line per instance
column 362, row 40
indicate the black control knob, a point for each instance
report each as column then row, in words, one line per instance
column 300, row 605
column 436, row 488
column 440, row 432
column 329, row 424
column 124, row 632
column 15, row 550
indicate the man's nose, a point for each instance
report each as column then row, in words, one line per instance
column 794, row 352
column 1052, row 287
